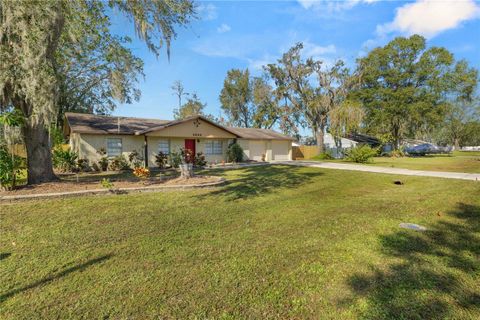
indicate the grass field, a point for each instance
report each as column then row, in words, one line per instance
column 458, row 162
column 276, row 242
column 468, row 162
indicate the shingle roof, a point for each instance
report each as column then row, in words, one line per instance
column 259, row 134
column 97, row 124
column 90, row 123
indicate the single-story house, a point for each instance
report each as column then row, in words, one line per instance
column 88, row 133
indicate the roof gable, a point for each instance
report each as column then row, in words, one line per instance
column 194, row 127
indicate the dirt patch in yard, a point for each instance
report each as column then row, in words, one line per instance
column 70, row 186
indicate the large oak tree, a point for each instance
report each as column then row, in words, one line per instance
column 407, row 88
column 43, row 43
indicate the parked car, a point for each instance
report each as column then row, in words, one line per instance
column 427, row 148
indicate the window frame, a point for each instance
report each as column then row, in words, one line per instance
column 213, row 147
column 168, row 144
column 120, row 148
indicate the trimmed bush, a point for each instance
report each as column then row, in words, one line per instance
column 119, row 163
column 361, row 154
column 161, row 159
column 64, row 160
column 199, row 160
column 234, row 153
column 175, row 159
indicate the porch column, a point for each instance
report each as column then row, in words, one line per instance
column 145, row 145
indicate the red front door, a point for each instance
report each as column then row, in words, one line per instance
column 190, row 144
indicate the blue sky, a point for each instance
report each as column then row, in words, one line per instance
column 249, row 34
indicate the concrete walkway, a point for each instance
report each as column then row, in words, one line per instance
column 365, row 168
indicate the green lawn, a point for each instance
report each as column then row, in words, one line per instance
column 458, row 162
column 277, row 242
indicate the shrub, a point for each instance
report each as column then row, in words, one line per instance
column 136, row 159
column 142, row 173
column 199, row 160
column 323, row 156
column 106, row 183
column 10, row 167
column 83, row 165
column 103, row 162
column 187, row 155
column 96, row 167
column 64, row 160
column 119, row 163
column 234, row 153
column 361, row 154
column 161, row 159
column 175, row 159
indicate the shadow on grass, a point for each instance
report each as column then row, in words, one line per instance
column 5, row 255
column 258, row 180
column 79, row 267
column 434, row 276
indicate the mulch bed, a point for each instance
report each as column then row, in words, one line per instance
column 66, row 186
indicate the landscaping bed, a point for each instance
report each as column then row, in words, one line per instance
column 64, row 185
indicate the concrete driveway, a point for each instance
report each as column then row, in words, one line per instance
column 360, row 167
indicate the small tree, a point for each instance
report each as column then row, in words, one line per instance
column 192, row 107
column 234, row 153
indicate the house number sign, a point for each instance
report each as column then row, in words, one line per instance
column 197, row 123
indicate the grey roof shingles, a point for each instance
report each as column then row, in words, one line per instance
column 98, row 124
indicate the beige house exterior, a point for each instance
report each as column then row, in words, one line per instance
column 121, row 135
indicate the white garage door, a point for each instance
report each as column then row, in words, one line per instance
column 257, row 150
column 280, row 150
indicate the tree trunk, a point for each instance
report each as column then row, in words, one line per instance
column 456, row 144
column 39, row 156
column 320, row 135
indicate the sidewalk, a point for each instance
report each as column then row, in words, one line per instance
column 360, row 167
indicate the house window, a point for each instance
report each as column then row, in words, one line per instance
column 164, row 146
column 114, row 147
column 213, row 147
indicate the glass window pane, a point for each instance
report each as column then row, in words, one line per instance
column 114, row 147
column 164, row 146
column 213, row 147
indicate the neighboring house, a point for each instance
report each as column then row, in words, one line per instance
column 121, row 135
column 329, row 143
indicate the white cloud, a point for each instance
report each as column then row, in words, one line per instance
column 223, row 28
column 316, row 51
column 257, row 64
column 207, row 11
column 332, row 5
column 429, row 18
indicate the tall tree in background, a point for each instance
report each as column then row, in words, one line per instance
column 293, row 78
column 313, row 100
column 236, row 97
column 33, row 36
column 266, row 102
column 406, row 87
column 193, row 107
column 179, row 91
column 249, row 102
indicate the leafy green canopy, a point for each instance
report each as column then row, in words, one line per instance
column 192, row 107
column 407, row 88
column 249, row 101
